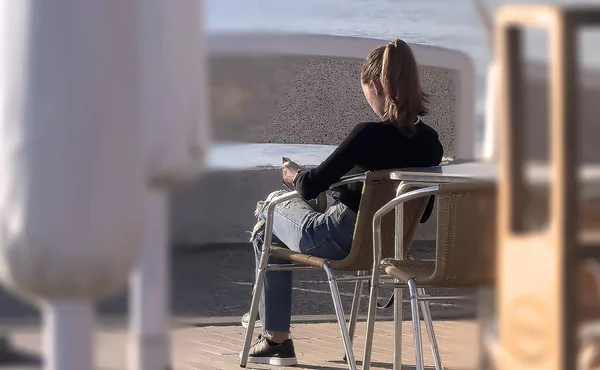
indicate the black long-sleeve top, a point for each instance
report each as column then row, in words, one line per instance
column 370, row 146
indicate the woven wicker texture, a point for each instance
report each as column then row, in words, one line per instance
column 377, row 191
column 465, row 254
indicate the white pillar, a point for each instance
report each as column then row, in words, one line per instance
column 68, row 330
column 71, row 165
column 150, row 298
column 176, row 134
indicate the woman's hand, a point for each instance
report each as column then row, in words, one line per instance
column 290, row 169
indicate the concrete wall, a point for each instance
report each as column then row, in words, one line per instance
column 302, row 89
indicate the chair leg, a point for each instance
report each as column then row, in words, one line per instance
column 485, row 313
column 430, row 331
column 339, row 311
column 355, row 308
column 354, row 311
column 414, row 306
column 256, row 292
column 397, row 329
column 371, row 315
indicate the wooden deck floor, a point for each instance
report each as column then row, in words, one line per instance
column 318, row 346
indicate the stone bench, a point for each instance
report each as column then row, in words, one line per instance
column 301, row 89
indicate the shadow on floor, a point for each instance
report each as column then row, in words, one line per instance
column 215, row 281
column 15, row 358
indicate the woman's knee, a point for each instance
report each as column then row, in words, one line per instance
column 261, row 206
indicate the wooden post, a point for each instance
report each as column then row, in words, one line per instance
column 537, row 280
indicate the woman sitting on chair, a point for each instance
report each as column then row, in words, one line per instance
column 391, row 84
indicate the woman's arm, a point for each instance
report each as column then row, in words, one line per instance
column 310, row 184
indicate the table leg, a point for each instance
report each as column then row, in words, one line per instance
column 485, row 313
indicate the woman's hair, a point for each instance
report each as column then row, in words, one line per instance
column 394, row 67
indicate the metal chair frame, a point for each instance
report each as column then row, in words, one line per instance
column 347, row 330
column 418, row 298
column 331, row 278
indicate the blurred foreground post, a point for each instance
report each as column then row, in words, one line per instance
column 176, row 132
column 538, row 304
column 71, row 165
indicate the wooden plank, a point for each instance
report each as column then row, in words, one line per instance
column 538, row 269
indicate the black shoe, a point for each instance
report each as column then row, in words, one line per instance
column 264, row 351
column 246, row 320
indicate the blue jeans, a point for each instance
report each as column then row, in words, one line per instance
column 298, row 227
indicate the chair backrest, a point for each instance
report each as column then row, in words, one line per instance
column 589, row 291
column 466, row 235
column 377, row 191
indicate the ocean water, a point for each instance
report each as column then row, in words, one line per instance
column 450, row 24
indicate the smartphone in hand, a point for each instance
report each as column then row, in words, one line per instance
column 287, row 186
